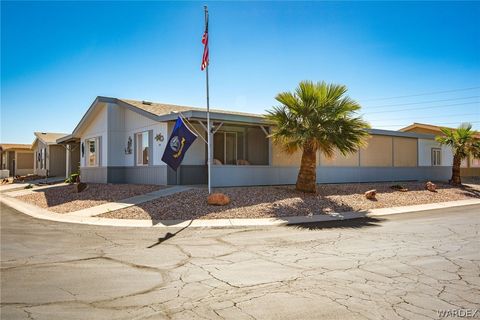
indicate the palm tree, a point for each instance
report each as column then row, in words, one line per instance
column 316, row 116
column 463, row 143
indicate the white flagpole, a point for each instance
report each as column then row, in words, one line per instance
column 209, row 157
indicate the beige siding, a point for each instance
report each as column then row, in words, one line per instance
column 339, row 160
column 56, row 161
column 405, row 152
column 378, row 153
column 470, row 172
column 24, row 160
column 281, row 158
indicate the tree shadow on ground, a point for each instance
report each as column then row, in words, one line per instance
column 167, row 236
column 470, row 191
column 355, row 223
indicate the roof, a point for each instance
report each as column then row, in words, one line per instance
column 163, row 112
column 48, row 137
column 161, row 109
column 417, row 125
column 9, row 146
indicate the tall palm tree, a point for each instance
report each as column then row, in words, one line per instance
column 463, row 143
column 316, row 116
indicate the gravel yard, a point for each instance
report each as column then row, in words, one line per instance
column 281, row 201
column 65, row 199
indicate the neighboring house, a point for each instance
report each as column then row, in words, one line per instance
column 470, row 167
column 17, row 158
column 122, row 141
column 51, row 158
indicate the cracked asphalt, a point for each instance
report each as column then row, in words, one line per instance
column 407, row 266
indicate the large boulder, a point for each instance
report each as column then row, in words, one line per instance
column 371, row 194
column 218, row 199
column 430, row 186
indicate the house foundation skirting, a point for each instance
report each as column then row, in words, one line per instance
column 138, row 175
column 229, row 176
column 93, row 174
column 470, row 172
column 135, row 175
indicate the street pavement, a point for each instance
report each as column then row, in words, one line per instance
column 408, row 266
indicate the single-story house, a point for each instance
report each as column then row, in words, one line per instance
column 53, row 159
column 122, row 141
column 470, row 167
column 16, row 158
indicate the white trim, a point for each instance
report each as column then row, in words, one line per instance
column 137, row 163
column 97, row 152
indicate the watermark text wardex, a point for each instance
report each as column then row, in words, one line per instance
column 459, row 313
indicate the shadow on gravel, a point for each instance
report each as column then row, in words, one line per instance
column 339, row 224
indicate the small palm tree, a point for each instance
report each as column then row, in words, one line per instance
column 463, row 143
column 316, row 116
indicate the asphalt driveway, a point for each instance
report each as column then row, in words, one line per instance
column 408, row 266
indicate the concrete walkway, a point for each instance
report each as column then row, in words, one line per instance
column 21, row 185
column 125, row 203
column 23, row 192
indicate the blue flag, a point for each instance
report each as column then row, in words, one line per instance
column 180, row 140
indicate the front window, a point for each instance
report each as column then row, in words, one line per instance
column 142, row 148
column 436, row 157
column 92, row 152
column 43, row 159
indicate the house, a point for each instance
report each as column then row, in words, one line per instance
column 470, row 167
column 16, row 158
column 53, row 159
column 122, row 141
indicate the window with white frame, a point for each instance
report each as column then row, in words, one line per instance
column 436, row 156
column 92, row 152
column 142, row 148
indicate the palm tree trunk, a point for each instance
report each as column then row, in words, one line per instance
column 457, row 161
column 307, row 176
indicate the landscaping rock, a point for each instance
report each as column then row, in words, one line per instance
column 218, row 199
column 370, row 194
column 430, row 186
column 80, row 186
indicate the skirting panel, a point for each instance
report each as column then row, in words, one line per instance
column 93, row 174
column 229, row 176
column 138, row 175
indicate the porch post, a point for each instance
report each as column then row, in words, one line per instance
column 68, row 170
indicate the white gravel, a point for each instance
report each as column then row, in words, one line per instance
column 280, row 201
column 65, row 199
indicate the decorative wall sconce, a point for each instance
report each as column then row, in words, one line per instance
column 128, row 149
column 159, row 137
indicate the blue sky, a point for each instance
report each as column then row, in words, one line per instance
column 56, row 57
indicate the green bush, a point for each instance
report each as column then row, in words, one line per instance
column 74, row 177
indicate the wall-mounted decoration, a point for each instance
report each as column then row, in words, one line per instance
column 159, row 137
column 128, row 149
column 83, row 150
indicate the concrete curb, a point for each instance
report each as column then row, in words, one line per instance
column 40, row 213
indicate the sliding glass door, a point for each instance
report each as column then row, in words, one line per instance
column 225, row 148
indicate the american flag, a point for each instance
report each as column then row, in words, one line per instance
column 205, row 48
